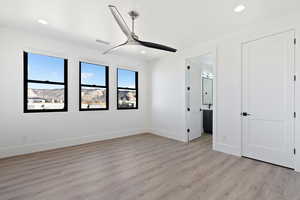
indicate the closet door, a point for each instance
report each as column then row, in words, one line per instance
column 268, row 99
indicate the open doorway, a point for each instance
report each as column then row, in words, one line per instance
column 200, row 96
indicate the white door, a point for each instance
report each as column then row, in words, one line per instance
column 194, row 113
column 268, row 98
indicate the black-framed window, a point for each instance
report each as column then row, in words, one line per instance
column 94, row 92
column 45, row 83
column 127, row 89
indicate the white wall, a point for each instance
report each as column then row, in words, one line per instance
column 23, row 133
column 168, row 100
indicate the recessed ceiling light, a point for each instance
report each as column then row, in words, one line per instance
column 143, row 52
column 42, row 21
column 239, row 8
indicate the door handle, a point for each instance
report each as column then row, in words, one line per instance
column 245, row 114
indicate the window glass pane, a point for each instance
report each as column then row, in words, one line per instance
column 92, row 74
column 45, row 68
column 93, row 97
column 45, row 96
column 126, row 78
column 126, row 98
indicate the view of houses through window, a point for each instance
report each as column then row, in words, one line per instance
column 94, row 87
column 127, row 89
column 45, row 83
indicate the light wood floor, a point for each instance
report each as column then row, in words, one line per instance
column 143, row 167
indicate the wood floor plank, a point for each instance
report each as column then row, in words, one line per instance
column 143, row 167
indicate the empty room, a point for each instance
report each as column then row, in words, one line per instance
column 149, row 100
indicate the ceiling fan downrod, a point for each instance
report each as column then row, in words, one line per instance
column 133, row 15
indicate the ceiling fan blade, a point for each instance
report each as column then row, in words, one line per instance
column 115, row 47
column 120, row 20
column 102, row 42
column 156, row 46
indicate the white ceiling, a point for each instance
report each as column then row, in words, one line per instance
column 175, row 23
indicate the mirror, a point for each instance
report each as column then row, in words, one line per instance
column 207, row 91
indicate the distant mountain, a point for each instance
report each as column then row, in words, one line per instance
column 93, row 95
column 127, row 99
column 88, row 95
column 49, row 95
column 127, row 95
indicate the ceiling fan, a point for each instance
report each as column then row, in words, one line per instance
column 132, row 38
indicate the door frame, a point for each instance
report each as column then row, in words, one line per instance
column 213, row 51
column 294, row 88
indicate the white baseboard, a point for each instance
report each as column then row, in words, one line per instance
column 228, row 149
column 31, row 148
column 168, row 134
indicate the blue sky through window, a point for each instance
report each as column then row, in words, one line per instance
column 126, row 78
column 92, row 74
column 45, row 68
